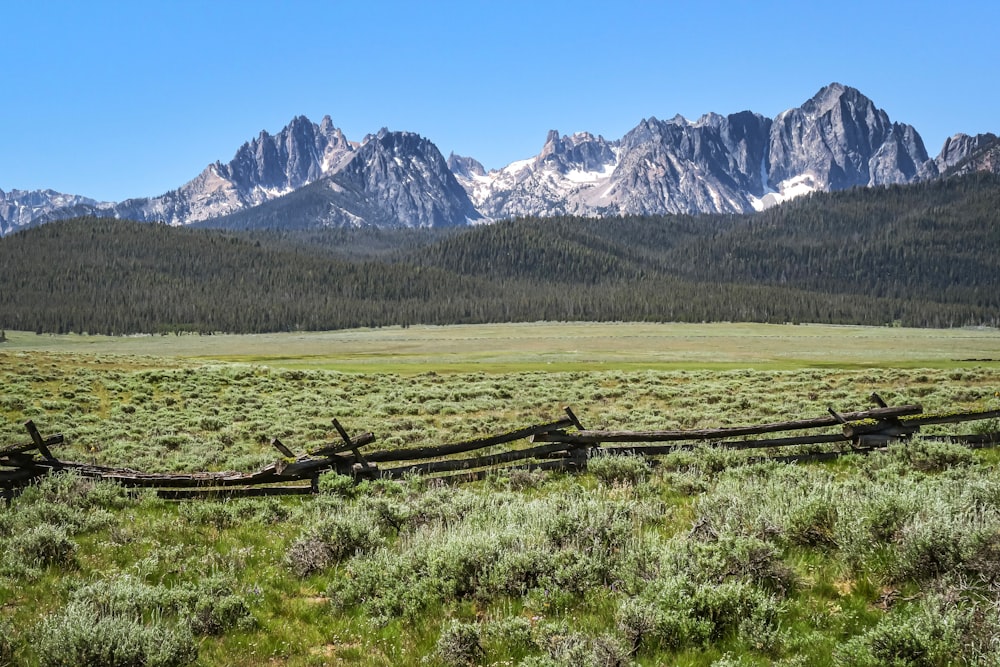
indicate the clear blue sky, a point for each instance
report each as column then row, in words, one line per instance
column 126, row 99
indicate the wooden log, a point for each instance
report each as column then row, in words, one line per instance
column 572, row 464
column 347, row 441
column 340, row 447
column 956, row 418
column 416, row 453
column 591, row 437
column 662, row 450
column 285, row 451
column 20, row 475
column 480, row 461
column 837, row 416
column 301, row 469
column 973, row 440
column 18, row 449
column 883, row 428
column 37, row 439
column 572, row 417
column 872, row 440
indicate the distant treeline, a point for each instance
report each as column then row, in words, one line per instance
column 921, row 255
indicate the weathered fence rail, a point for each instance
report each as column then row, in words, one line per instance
column 549, row 446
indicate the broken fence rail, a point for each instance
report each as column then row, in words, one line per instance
column 552, row 447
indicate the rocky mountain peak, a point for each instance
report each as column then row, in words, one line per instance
column 962, row 154
column 830, row 96
column 400, row 179
column 960, row 147
column 465, row 167
column 581, row 152
column 840, row 139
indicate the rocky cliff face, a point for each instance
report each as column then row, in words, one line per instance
column 566, row 177
column 677, row 166
column 962, row 154
column 842, row 140
column 400, row 179
column 717, row 164
column 262, row 169
column 393, row 179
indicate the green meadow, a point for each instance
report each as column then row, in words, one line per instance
column 706, row 558
column 575, row 346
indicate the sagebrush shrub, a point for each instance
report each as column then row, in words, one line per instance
column 215, row 614
column 6, row 644
column 930, row 545
column 332, row 540
column 459, row 645
column 621, row 469
column 80, row 635
column 514, row 633
column 930, row 634
column 210, row 605
column 812, row 523
column 335, row 484
column 41, row 546
column 927, row 455
column 570, row 648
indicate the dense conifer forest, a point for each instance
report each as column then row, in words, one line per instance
column 922, row 255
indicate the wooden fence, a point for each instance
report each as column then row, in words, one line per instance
column 563, row 444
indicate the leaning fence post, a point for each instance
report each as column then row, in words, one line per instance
column 36, row 437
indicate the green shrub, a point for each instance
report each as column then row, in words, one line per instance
column 6, row 644
column 459, row 645
column 210, row 605
column 125, row 596
column 730, row 558
column 932, row 635
column 513, row 633
column 569, row 648
column 930, row 545
column 215, row 614
column 927, row 455
column 519, row 479
column 620, row 469
column 812, row 523
column 79, row 635
column 41, row 546
column 646, row 624
column 218, row 514
column 335, row 484
column 331, row 541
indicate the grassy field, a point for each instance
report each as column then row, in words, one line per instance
column 705, row 559
column 559, row 347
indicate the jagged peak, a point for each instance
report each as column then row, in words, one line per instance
column 830, row 95
column 710, row 119
column 299, row 120
column 465, row 166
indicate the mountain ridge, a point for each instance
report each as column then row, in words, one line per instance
column 735, row 163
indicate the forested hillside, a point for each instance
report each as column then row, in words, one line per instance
column 923, row 255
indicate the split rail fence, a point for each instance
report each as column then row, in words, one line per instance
column 562, row 444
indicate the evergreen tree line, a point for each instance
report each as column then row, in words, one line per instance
column 923, row 255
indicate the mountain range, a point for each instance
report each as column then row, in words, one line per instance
column 310, row 175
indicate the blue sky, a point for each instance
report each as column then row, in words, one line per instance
column 126, row 99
